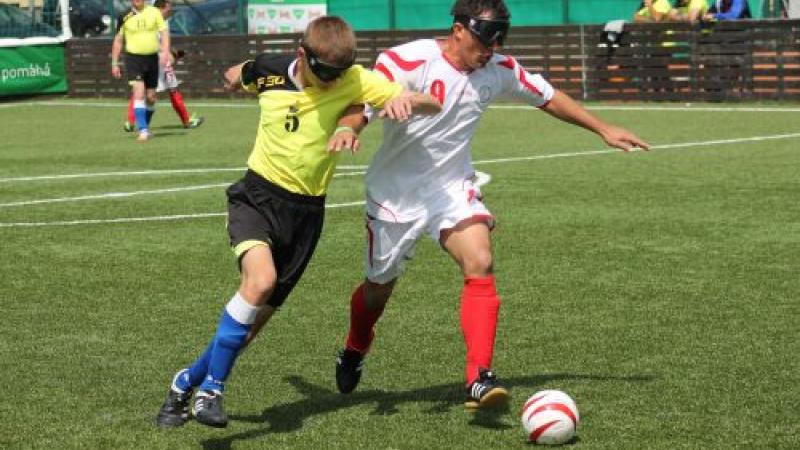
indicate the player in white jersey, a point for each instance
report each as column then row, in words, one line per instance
column 421, row 181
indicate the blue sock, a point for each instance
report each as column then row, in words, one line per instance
column 196, row 373
column 236, row 320
column 150, row 111
column 198, row 370
column 140, row 111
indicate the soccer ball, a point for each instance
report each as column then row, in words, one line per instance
column 550, row 417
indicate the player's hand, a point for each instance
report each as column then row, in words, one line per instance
column 231, row 79
column 164, row 59
column 398, row 108
column 623, row 139
column 344, row 139
column 116, row 72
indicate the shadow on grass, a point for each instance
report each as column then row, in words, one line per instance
column 289, row 417
column 157, row 134
column 170, row 127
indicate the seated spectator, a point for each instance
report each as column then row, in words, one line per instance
column 691, row 11
column 728, row 10
column 655, row 11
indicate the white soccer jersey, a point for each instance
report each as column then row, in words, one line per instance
column 419, row 159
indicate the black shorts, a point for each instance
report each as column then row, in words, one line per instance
column 142, row 68
column 289, row 223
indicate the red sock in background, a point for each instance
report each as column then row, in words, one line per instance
column 362, row 321
column 131, row 115
column 479, row 308
column 177, row 104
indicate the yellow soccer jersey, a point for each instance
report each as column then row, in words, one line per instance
column 140, row 30
column 291, row 148
column 701, row 5
column 660, row 6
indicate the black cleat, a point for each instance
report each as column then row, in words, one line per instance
column 485, row 392
column 208, row 409
column 175, row 410
column 349, row 364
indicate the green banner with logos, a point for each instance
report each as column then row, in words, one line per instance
column 282, row 16
column 32, row 70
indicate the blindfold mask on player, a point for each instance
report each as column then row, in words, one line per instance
column 488, row 32
column 323, row 70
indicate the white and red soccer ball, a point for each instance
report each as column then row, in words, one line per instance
column 550, row 417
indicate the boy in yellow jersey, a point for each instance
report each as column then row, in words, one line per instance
column 146, row 39
column 275, row 212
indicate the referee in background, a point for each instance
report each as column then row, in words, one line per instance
column 146, row 38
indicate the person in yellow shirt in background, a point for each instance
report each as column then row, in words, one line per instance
column 655, row 11
column 167, row 81
column 144, row 33
column 691, row 11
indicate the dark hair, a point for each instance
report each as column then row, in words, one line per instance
column 474, row 8
column 161, row 3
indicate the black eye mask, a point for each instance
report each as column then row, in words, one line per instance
column 487, row 31
column 323, row 70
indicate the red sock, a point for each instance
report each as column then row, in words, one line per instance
column 177, row 104
column 131, row 114
column 479, row 308
column 362, row 321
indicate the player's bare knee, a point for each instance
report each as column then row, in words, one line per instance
column 479, row 264
column 257, row 287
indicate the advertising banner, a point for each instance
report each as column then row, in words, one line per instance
column 282, row 16
column 32, row 70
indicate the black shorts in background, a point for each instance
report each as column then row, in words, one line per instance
column 290, row 223
column 142, row 68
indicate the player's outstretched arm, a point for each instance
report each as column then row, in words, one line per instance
column 563, row 107
column 232, row 78
column 401, row 107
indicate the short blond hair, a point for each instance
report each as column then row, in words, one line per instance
column 332, row 39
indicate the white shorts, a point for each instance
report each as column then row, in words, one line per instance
column 391, row 244
column 166, row 79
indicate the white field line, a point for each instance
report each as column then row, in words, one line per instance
column 359, row 168
column 685, row 107
column 144, row 173
column 108, row 195
column 121, row 174
column 143, row 219
column 655, row 147
column 487, row 161
column 113, row 195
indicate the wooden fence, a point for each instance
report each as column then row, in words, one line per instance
column 739, row 60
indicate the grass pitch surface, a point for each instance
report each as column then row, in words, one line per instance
column 659, row 289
